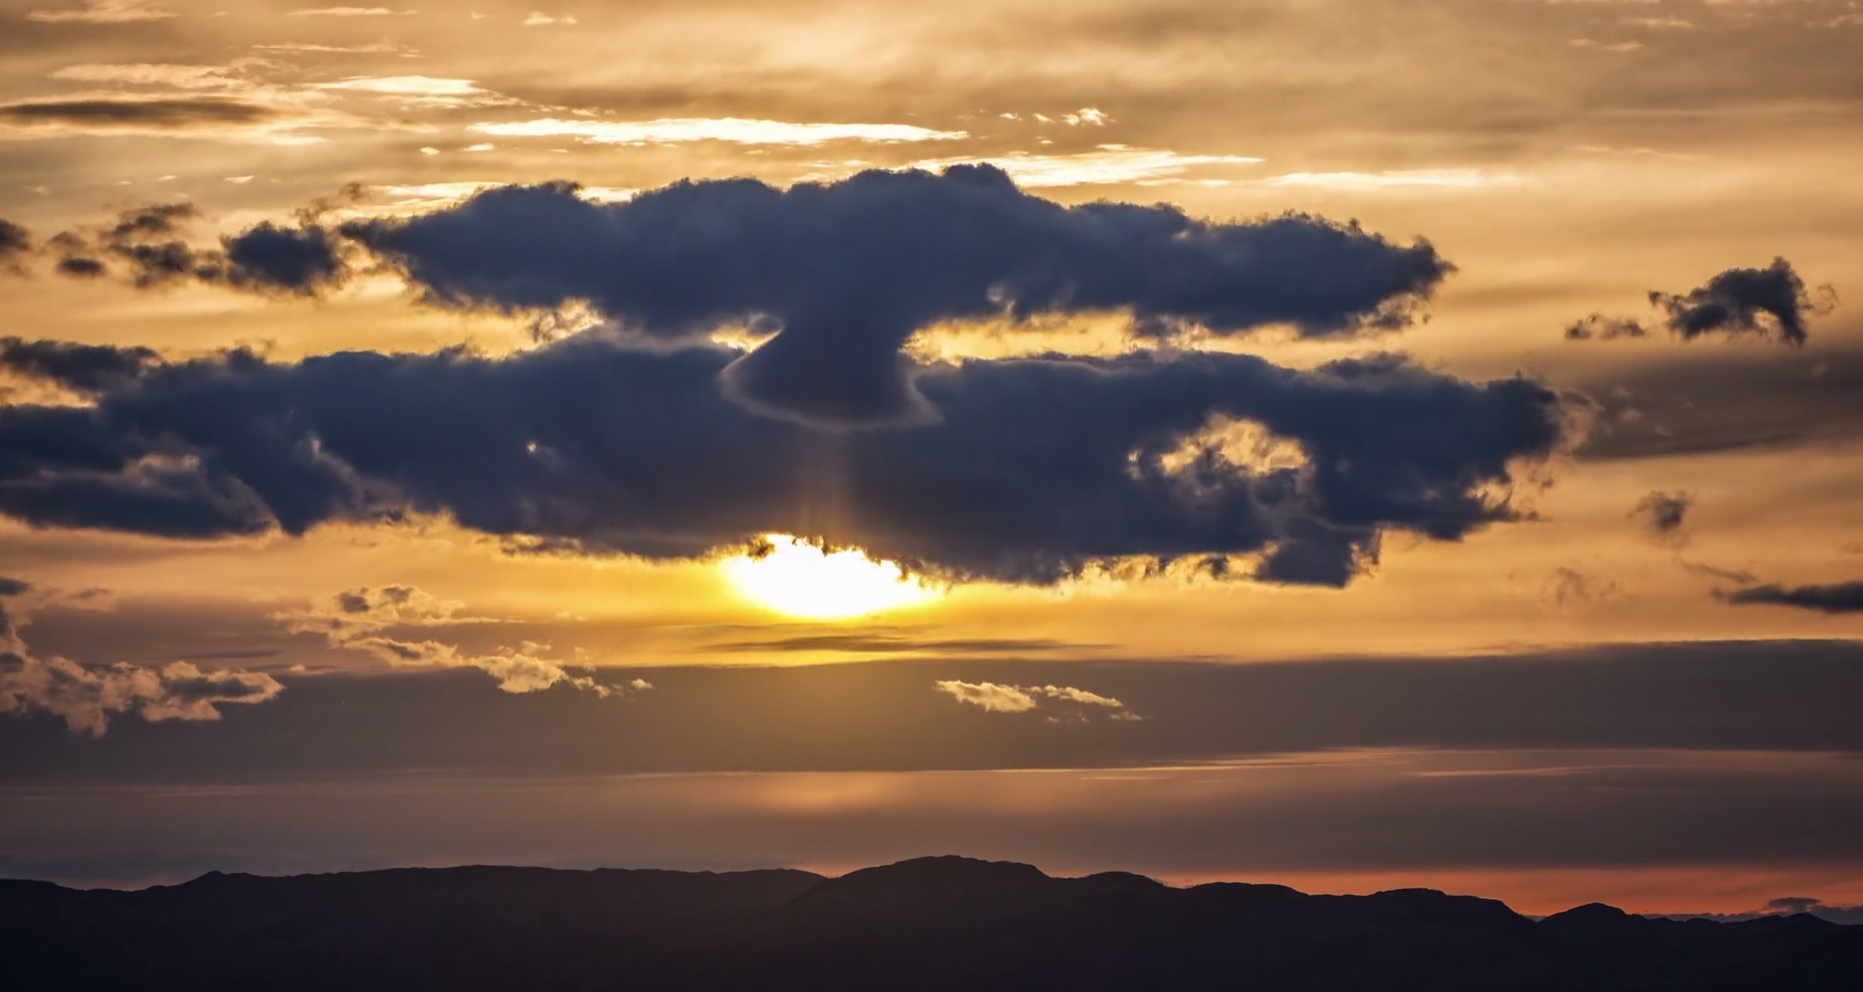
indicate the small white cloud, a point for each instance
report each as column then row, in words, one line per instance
column 735, row 130
column 539, row 19
column 405, row 86
column 1072, row 695
column 1617, row 48
column 429, row 150
column 988, row 695
column 239, row 180
column 1107, row 164
column 1660, row 23
column 103, row 12
column 1086, row 115
column 480, row 147
column 349, row 12
column 995, row 698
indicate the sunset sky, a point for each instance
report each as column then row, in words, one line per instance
column 1336, row 442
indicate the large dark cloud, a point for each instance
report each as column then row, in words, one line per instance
column 1770, row 303
column 1844, row 597
column 643, row 437
column 850, row 270
column 1034, row 468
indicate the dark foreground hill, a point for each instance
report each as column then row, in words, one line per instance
column 935, row 923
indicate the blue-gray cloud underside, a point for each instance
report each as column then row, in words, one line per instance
column 1033, row 468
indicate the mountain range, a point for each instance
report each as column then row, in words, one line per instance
column 930, row 923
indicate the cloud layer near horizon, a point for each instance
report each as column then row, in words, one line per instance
column 88, row 698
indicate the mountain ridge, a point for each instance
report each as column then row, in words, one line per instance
column 926, row 923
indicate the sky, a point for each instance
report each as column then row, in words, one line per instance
column 1348, row 444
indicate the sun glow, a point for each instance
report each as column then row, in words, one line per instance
column 792, row 576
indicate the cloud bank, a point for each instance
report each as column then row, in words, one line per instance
column 847, row 272
column 644, row 437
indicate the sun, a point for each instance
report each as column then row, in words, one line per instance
column 797, row 578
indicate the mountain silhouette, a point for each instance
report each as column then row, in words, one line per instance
column 931, row 923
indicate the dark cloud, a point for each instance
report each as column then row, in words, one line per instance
column 1600, row 327
column 1664, row 516
column 15, row 245
column 850, row 270
column 1764, row 302
column 1845, row 597
column 150, row 243
column 124, row 114
column 8, row 588
column 1035, row 467
column 87, row 368
column 80, row 267
column 1769, row 302
column 294, row 260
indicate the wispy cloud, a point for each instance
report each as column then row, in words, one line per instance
column 186, row 77
column 1108, row 164
column 87, row 698
column 103, row 12
column 995, row 698
column 378, row 48
column 349, row 12
column 405, row 86
column 539, row 19
column 1616, row 48
column 361, row 620
column 1418, row 179
column 416, row 198
column 735, row 130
